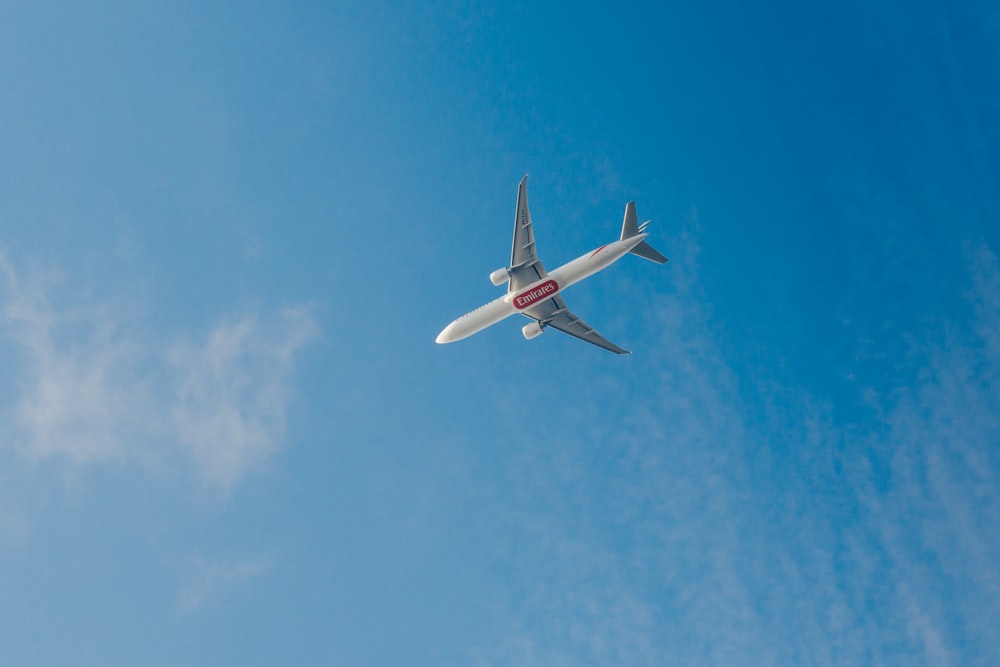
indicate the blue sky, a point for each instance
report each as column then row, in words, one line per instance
column 229, row 233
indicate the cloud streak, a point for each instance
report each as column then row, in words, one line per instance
column 737, row 523
column 937, row 511
column 206, row 580
column 87, row 389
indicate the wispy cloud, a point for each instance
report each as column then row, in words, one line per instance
column 734, row 522
column 77, row 390
column 206, row 580
column 936, row 503
column 84, row 387
column 639, row 531
column 230, row 405
column 986, row 298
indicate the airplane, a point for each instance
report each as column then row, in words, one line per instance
column 534, row 293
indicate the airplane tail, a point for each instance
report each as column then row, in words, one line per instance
column 630, row 228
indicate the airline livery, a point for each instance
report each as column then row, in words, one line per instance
column 534, row 293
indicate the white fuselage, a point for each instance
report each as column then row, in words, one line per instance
column 552, row 284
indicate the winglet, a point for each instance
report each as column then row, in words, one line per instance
column 630, row 228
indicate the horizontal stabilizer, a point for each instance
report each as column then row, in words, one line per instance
column 647, row 251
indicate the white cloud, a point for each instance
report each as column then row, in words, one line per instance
column 230, row 407
column 76, row 391
column 84, row 387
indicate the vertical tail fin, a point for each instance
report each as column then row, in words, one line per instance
column 630, row 225
column 630, row 228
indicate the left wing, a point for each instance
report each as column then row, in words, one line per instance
column 554, row 313
column 525, row 267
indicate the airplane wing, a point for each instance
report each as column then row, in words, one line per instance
column 525, row 267
column 554, row 313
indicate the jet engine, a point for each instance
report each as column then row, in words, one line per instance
column 532, row 330
column 499, row 277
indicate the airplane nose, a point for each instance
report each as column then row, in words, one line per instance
column 444, row 336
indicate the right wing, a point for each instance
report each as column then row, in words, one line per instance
column 525, row 267
column 554, row 313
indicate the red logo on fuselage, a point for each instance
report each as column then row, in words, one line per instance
column 536, row 294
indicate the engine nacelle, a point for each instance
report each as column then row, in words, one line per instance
column 499, row 277
column 532, row 330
